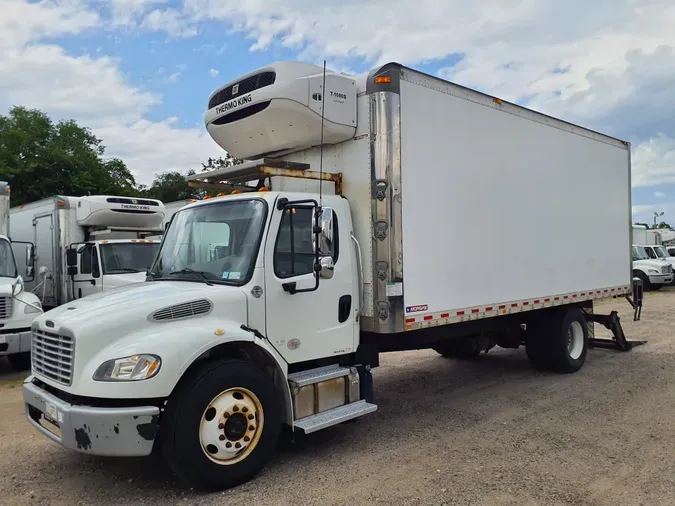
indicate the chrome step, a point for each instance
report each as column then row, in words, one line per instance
column 329, row 372
column 334, row 416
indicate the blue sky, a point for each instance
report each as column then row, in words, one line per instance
column 139, row 72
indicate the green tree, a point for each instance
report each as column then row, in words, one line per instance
column 40, row 158
column 644, row 224
column 218, row 163
column 172, row 186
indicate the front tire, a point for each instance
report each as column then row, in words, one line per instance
column 222, row 425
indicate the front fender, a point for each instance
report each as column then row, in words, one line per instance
column 178, row 344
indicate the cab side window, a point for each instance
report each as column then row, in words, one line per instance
column 89, row 261
column 293, row 252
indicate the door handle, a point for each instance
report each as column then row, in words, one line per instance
column 344, row 308
column 93, row 282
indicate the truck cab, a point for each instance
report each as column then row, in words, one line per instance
column 18, row 309
column 655, row 273
column 97, row 266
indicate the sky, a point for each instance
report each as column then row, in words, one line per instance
column 139, row 72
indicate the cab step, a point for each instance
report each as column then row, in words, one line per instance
column 335, row 416
column 329, row 372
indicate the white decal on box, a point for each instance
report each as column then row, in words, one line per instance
column 394, row 289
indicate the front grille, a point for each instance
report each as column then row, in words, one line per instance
column 180, row 311
column 245, row 86
column 6, row 307
column 52, row 356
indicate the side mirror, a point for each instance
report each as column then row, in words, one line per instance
column 327, row 268
column 30, row 255
column 71, row 259
column 325, row 233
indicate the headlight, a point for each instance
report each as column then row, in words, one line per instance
column 135, row 368
column 32, row 308
column 653, row 271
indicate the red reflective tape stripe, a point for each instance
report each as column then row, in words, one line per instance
column 547, row 300
column 526, row 303
column 488, row 308
column 460, row 313
column 502, row 306
column 474, row 310
column 537, row 301
column 426, row 318
column 583, row 294
column 445, row 315
column 514, row 304
column 557, row 298
column 573, row 296
column 410, row 320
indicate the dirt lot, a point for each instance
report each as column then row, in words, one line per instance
column 484, row 433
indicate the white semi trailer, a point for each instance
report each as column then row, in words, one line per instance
column 269, row 308
column 18, row 307
column 86, row 245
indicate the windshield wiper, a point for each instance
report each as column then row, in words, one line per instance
column 187, row 270
column 123, row 269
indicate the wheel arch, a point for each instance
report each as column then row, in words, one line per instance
column 250, row 352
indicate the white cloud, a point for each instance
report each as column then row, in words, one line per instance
column 91, row 89
column 654, row 162
column 214, row 72
column 659, row 195
column 170, row 21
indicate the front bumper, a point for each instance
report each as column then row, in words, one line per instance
column 117, row 432
column 661, row 279
column 18, row 342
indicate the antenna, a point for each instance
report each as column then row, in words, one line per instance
column 323, row 108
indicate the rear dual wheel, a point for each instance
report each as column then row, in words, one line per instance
column 558, row 342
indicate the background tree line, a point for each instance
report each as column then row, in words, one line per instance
column 40, row 158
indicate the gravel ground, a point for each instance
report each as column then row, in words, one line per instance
column 482, row 433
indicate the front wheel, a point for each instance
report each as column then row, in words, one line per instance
column 222, row 425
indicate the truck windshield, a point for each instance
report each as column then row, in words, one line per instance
column 639, row 253
column 7, row 262
column 661, row 252
column 126, row 257
column 217, row 242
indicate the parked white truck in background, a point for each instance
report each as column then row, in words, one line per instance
column 85, row 245
column 18, row 307
column 649, row 265
column 270, row 308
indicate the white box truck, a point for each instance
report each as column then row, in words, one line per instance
column 86, row 245
column 653, row 265
column 18, row 307
column 269, row 308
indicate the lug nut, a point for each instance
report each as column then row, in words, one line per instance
column 221, row 426
column 228, row 445
column 251, row 417
column 236, row 408
column 247, row 439
column 251, row 427
column 237, row 445
column 244, row 410
column 221, row 437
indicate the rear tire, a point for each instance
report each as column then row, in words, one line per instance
column 655, row 288
column 561, row 343
column 19, row 361
column 227, row 402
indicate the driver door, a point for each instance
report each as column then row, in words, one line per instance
column 314, row 324
column 88, row 279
